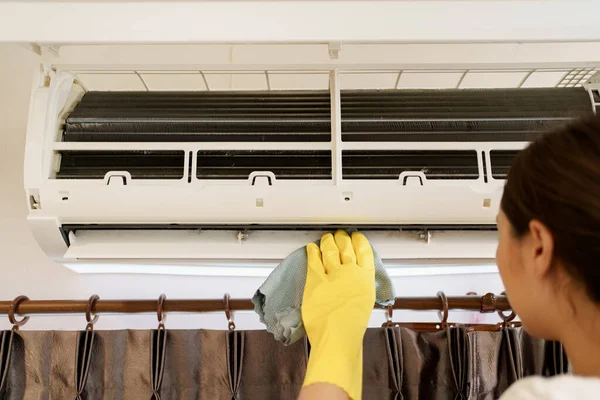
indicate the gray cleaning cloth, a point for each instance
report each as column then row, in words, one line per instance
column 278, row 300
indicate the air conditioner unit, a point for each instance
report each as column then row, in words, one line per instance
column 218, row 170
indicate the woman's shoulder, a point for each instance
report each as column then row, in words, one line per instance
column 555, row 388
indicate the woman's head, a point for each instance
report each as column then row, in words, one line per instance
column 549, row 226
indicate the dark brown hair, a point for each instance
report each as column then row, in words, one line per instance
column 556, row 180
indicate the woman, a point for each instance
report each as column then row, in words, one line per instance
column 548, row 257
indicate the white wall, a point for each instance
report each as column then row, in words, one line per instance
column 24, row 269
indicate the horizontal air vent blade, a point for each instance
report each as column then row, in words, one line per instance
column 140, row 164
column 201, row 116
column 389, row 164
column 458, row 115
column 68, row 228
column 501, row 162
column 307, row 164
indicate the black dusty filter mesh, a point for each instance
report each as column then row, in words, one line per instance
column 201, row 116
column 450, row 115
column 458, row 115
column 367, row 115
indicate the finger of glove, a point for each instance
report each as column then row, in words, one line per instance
column 363, row 250
column 315, row 273
column 344, row 244
column 315, row 263
column 330, row 254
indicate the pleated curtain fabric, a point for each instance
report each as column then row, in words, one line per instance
column 399, row 363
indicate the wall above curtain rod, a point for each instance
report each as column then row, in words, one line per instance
column 486, row 303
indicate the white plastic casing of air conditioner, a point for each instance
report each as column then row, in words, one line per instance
column 417, row 201
column 330, row 37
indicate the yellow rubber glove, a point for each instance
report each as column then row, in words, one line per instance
column 338, row 300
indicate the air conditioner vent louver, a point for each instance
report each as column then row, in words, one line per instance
column 384, row 164
column 140, row 164
column 501, row 162
column 458, row 115
column 197, row 117
column 284, row 164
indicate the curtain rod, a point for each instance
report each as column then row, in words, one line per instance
column 486, row 303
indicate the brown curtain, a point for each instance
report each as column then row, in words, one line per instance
column 202, row 364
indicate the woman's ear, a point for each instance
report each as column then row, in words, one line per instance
column 542, row 247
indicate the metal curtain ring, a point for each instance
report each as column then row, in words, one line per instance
column 13, row 308
column 443, row 315
column 228, row 314
column 506, row 318
column 88, row 312
column 389, row 314
column 159, row 311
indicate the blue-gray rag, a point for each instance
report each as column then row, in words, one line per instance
column 279, row 299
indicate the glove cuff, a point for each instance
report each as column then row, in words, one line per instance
column 340, row 368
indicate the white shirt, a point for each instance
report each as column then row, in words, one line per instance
column 555, row 388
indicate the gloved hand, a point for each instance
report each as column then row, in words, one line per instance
column 338, row 300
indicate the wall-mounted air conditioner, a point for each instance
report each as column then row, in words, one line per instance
column 239, row 164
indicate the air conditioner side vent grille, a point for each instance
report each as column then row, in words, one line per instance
column 501, row 162
column 305, row 164
column 390, row 164
column 140, row 164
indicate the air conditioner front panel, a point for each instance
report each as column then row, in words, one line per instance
column 357, row 202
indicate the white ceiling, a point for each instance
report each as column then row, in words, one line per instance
column 299, row 21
